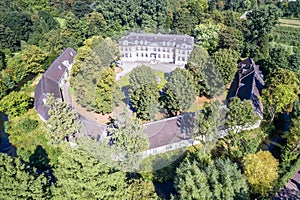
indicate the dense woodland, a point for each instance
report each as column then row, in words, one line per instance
column 33, row 34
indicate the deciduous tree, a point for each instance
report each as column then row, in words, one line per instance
column 63, row 121
column 261, row 171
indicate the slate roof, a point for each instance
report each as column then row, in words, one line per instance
column 50, row 82
column 167, row 40
column 170, row 130
column 248, row 84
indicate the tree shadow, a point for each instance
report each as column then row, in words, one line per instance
column 40, row 159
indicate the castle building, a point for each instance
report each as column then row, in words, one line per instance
column 156, row 48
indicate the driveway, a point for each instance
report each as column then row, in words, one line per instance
column 128, row 66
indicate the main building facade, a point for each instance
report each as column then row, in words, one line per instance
column 156, row 48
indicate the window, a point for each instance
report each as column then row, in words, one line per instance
column 158, row 49
column 142, row 48
column 142, row 55
column 158, row 55
column 130, row 55
column 154, row 49
column 164, row 56
column 164, row 50
column 178, row 58
column 183, row 58
column 137, row 54
column 168, row 56
column 126, row 55
column 146, row 55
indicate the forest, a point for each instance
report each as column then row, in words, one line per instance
column 244, row 165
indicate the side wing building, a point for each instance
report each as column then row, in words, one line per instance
column 248, row 84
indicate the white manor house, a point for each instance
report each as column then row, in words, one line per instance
column 156, row 48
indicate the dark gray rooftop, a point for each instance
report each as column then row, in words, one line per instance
column 49, row 83
column 167, row 40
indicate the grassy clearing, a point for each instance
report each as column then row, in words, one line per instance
column 289, row 22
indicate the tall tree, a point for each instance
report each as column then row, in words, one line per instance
column 145, row 101
column 240, row 113
column 104, row 94
column 140, row 76
column 261, row 171
column 226, row 62
column 281, row 92
column 179, row 92
column 217, row 179
column 19, row 181
column 260, row 21
column 207, row 35
column 127, row 140
column 63, row 121
column 16, row 103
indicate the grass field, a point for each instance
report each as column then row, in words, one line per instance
column 289, row 22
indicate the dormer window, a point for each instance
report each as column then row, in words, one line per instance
column 141, row 42
column 125, row 42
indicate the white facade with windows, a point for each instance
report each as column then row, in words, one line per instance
column 156, row 48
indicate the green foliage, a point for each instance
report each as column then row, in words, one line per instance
column 207, row 35
column 81, row 8
column 217, row 179
column 141, row 75
column 260, row 22
column 27, row 133
column 240, row 113
column 106, row 86
column 282, row 91
column 95, row 24
column 145, row 101
column 293, row 138
column 231, row 38
column 63, row 121
column 179, row 92
column 226, row 62
column 19, row 181
column 236, row 146
column 143, row 91
column 261, row 171
column 7, row 39
column 16, row 103
column 91, row 61
column 286, row 35
column 19, row 22
column 33, row 59
column 210, row 121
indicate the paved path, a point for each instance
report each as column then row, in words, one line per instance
column 128, row 66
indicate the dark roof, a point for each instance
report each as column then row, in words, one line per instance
column 157, row 39
column 49, row 83
column 248, row 84
column 170, row 130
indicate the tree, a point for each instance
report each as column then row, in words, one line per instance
column 141, row 75
column 207, row 35
column 145, row 101
column 260, row 21
column 179, row 92
column 217, row 179
column 63, row 121
column 293, row 136
column 231, row 38
column 281, row 92
column 126, row 140
column 8, row 39
column 16, row 103
column 210, row 121
column 184, row 21
column 19, row 181
column 240, row 113
column 81, row 8
column 95, row 24
column 196, row 65
column 33, row 59
column 226, row 62
column 261, row 171
column 106, row 87
column 19, row 22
